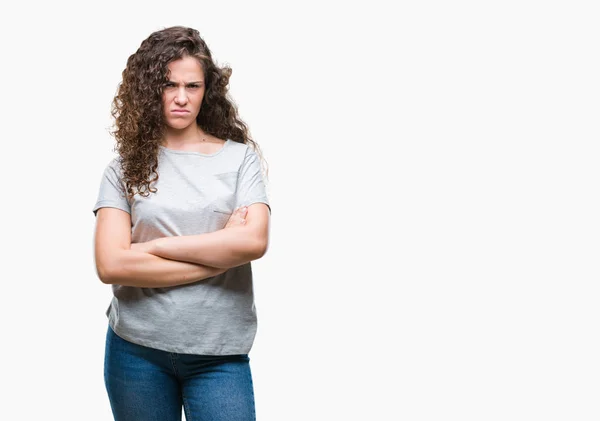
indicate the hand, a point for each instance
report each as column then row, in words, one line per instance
column 238, row 217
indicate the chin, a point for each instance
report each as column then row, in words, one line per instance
column 179, row 125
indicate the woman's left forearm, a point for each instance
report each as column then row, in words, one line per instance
column 225, row 248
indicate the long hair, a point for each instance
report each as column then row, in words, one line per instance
column 137, row 108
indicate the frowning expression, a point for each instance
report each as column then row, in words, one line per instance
column 183, row 93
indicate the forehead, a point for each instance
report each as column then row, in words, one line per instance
column 186, row 68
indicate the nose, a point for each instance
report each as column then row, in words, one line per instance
column 181, row 97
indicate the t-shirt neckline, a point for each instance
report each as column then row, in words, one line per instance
column 180, row 152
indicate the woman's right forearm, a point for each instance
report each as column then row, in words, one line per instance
column 140, row 269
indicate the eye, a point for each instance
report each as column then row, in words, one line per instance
column 169, row 85
column 194, row 86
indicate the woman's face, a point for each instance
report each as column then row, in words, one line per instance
column 182, row 95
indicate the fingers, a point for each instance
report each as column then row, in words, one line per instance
column 238, row 216
column 242, row 211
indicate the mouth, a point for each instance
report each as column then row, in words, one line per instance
column 180, row 111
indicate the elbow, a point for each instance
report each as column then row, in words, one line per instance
column 261, row 248
column 111, row 267
column 105, row 274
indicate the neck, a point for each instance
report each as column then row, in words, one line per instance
column 189, row 136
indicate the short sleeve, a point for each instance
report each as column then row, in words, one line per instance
column 251, row 186
column 112, row 191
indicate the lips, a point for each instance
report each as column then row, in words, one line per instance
column 180, row 111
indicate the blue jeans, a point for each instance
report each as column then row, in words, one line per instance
column 146, row 384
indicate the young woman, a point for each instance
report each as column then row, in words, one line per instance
column 181, row 213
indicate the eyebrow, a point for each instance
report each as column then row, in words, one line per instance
column 188, row 83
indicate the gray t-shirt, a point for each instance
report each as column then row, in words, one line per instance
column 196, row 194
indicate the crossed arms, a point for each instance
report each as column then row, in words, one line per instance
column 178, row 260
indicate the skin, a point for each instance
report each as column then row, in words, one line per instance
column 185, row 91
column 182, row 259
column 237, row 218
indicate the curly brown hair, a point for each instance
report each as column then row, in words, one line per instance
column 137, row 108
